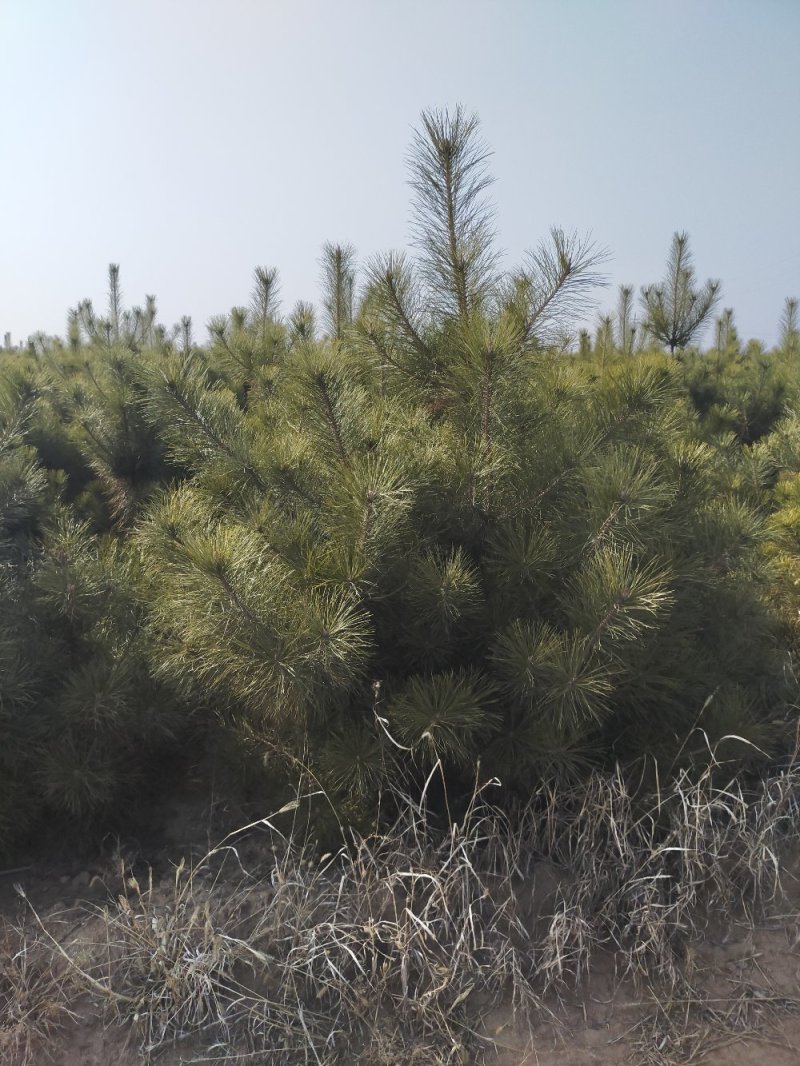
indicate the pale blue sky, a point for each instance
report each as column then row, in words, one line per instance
column 190, row 140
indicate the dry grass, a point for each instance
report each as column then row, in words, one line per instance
column 685, row 1027
column 34, row 996
column 642, row 879
column 389, row 944
column 394, row 948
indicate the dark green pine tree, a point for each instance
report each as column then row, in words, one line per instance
column 435, row 528
column 80, row 715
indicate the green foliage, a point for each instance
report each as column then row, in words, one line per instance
column 80, row 713
column 676, row 310
column 431, row 534
column 790, row 329
column 338, row 283
column 444, row 714
column 743, row 394
column 452, row 215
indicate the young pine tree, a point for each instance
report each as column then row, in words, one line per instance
column 676, row 310
column 789, row 341
column 435, row 525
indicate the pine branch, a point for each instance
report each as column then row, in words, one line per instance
column 453, row 219
column 556, row 285
column 338, row 286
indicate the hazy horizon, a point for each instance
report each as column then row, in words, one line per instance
column 193, row 141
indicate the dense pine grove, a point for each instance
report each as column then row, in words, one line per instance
column 427, row 521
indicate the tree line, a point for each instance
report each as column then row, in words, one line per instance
column 431, row 525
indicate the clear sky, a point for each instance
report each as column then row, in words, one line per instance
column 191, row 140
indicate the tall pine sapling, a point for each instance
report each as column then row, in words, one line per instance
column 676, row 310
